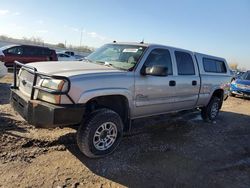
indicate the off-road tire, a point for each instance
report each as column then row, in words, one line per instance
column 207, row 113
column 88, row 128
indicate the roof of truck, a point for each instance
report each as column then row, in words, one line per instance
column 147, row 45
column 159, row 45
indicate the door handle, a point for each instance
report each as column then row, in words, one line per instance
column 194, row 82
column 172, row 83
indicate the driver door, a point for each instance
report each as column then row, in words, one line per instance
column 155, row 94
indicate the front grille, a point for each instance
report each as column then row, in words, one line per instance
column 25, row 80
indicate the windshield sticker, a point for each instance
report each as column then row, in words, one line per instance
column 133, row 50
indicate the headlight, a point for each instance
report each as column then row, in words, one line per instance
column 51, row 98
column 52, row 84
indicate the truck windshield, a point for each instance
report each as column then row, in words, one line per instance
column 246, row 75
column 119, row 56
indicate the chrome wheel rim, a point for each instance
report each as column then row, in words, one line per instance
column 105, row 136
column 214, row 110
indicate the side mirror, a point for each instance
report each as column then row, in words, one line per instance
column 155, row 71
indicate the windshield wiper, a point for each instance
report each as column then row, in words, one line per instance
column 108, row 64
column 112, row 65
column 88, row 60
column 105, row 63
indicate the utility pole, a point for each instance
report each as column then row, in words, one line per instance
column 81, row 39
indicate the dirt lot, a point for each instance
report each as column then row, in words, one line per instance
column 167, row 151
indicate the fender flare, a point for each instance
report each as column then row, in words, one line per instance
column 90, row 94
column 213, row 91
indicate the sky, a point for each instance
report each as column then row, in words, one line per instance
column 215, row 27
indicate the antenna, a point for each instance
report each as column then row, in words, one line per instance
column 142, row 42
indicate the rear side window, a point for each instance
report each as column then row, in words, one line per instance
column 70, row 53
column 45, row 51
column 246, row 75
column 185, row 64
column 214, row 65
column 36, row 51
column 31, row 51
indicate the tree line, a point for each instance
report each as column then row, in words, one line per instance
column 39, row 41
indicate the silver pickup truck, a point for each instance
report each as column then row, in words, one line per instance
column 116, row 84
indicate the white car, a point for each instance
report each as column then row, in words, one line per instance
column 3, row 69
column 65, row 57
column 71, row 53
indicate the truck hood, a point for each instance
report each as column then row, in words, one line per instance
column 71, row 68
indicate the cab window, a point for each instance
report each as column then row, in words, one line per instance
column 214, row 66
column 160, row 57
column 185, row 64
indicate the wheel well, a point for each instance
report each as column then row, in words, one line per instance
column 220, row 94
column 117, row 103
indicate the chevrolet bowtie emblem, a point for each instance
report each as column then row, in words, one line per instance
column 24, row 82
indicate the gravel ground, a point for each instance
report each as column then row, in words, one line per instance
column 167, row 151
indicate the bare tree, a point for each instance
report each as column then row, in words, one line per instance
column 60, row 45
column 242, row 69
column 4, row 37
column 233, row 66
column 37, row 40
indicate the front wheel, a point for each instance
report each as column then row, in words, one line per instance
column 100, row 134
column 211, row 111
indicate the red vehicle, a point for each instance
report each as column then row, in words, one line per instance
column 26, row 54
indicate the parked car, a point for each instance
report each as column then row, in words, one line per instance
column 239, row 74
column 236, row 75
column 71, row 53
column 26, row 54
column 65, row 57
column 241, row 86
column 116, row 84
column 3, row 69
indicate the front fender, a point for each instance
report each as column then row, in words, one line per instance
column 90, row 94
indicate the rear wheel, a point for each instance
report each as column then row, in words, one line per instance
column 211, row 111
column 100, row 134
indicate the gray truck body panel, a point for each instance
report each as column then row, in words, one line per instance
column 146, row 95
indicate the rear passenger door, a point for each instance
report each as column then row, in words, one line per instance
column 187, row 80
